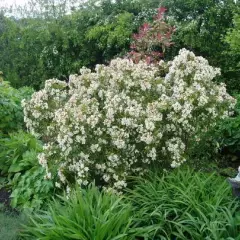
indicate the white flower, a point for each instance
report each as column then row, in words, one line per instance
column 57, row 184
column 116, row 121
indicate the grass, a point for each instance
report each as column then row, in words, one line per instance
column 179, row 205
column 87, row 215
column 185, row 205
column 10, row 225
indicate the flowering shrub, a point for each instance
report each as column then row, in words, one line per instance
column 150, row 42
column 116, row 121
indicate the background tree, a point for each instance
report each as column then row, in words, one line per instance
column 64, row 35
column 43, row 45
column 201, row 27
column 233, row 39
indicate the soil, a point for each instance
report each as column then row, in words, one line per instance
column 5, row 197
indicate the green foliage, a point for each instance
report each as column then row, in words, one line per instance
column 185, row 205
column 233, row 39
column 36, row 49
column 19, row 168
column 219, row 148
column 10, row 226
column 178, row 205
column 227, row 134
column 233, row 35
column 220, row 145
column 201, row 23
column 202, row 26
column 11, row 112
column 86, row 214
column 52, row 44
column 114, row 36
column 18, row 152
column 31, row 190
column 203, row 154
column 19, row 165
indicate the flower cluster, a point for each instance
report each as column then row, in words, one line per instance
column 118, row 120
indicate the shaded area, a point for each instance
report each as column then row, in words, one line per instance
column 5, row 198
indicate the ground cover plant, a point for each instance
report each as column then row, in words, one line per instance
column 21, row 172
column 179, row 205
column 10, row 226
column 184, row 204
column 85, row 214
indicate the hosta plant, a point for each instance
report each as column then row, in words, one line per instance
column 119, row 119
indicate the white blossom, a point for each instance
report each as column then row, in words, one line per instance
column 116, row 121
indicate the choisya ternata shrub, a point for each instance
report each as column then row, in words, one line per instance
column 121, row 118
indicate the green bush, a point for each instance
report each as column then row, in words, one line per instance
column 221, row 145
column 30, row 189
column 228, row 132
column 233, row 35
column 85, row 214
column 11, row 113
column 21, row 171
column 18, row 152
column 19, row 167
column 185, row 205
